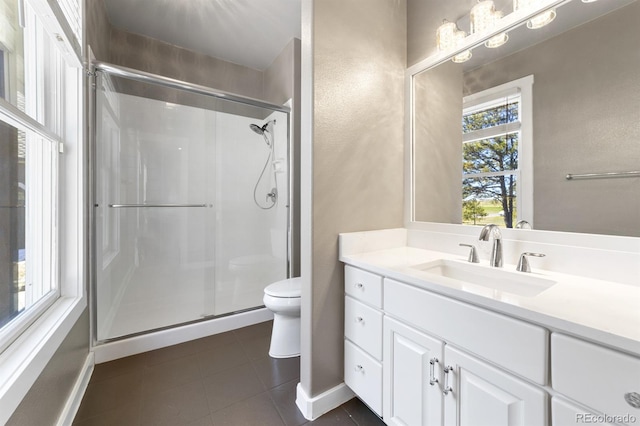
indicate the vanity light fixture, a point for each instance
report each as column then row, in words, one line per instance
column 539, row 20
column 448, row 37
column 484, row 17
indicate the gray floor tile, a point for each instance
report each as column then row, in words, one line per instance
column 230, row 386
column 221, row 359
column 251, row 332
column 110, row 394
column 124, row 415
column 171, row 353
column 255, row 411
column 277, row 371
column 336, row 416
column 361, row 414
column 162, row 377
column 284, row 398
column 216, row 341
column 257, row 347
column 225, row 379
column 118, row 367
column 181, row 405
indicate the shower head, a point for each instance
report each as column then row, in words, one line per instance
column 259, row 130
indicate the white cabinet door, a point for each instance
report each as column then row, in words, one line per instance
column 408, row 396
column 482, row 395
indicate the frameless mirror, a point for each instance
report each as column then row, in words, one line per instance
column 544, row 128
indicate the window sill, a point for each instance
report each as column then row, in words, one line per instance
column 23, row 361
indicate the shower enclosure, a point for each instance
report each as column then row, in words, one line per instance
column 190, row 202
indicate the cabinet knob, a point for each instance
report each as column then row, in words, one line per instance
column 359, row 285
column 633, row 399
column 359, row 368
column 359, row 319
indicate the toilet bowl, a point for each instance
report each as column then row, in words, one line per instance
column 283, row 299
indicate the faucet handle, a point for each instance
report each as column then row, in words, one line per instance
column 473, row 253
column 523, row 224
column 523, row 263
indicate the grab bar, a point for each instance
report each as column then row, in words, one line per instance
column 123, row 206
column 634, row 173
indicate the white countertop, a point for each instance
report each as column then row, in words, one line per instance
column 601, row 311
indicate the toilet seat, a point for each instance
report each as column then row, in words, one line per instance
column 289, row 288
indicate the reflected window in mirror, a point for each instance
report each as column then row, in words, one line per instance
column 494, row 154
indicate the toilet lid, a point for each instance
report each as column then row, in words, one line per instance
column 286, row 288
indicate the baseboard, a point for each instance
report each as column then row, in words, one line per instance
column 312, row 408
column 79, row 388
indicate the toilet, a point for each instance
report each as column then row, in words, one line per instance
column 283, row 299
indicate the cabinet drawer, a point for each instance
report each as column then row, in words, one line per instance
column 363, row 326
column 595, row 376
column 363, row 375
column 512, row 344
column 363, row 285
column 565, row 413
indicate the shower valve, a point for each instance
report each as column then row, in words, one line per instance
column 273, row 195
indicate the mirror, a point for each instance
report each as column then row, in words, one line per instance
column 556, row 101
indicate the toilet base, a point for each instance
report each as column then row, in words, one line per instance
column 285, row 337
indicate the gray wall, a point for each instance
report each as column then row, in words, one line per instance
column 281, row 83
column 98, row 29
column 438, row 144
column 586, row 105
column 359, row 58
column 45, row 400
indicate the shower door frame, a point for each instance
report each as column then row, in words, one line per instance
column 145, row 77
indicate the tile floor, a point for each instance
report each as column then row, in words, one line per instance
column 225, row 379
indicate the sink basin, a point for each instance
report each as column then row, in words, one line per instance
column 518, row 283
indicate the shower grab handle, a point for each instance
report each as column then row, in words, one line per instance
column 122, row 206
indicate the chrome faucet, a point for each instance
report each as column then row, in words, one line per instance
column 496, row 251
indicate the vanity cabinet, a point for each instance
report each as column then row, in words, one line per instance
column 363, row 336
column 396, row 365
column 429, row 382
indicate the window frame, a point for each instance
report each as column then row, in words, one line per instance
column 42, row 328
column 524, row 174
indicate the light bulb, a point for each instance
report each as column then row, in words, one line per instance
column 539, row 20
column 500, row 39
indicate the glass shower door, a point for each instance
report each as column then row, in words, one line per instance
column 155, row 213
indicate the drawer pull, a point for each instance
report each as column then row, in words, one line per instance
column 359, row 319
column 359, row 369
column 432, row 379
column 360, row 286
column 447, row 388
column 633, row 399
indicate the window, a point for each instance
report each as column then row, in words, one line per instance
column 496, row 155
column 41, row 202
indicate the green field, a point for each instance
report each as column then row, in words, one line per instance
column 493, row 210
